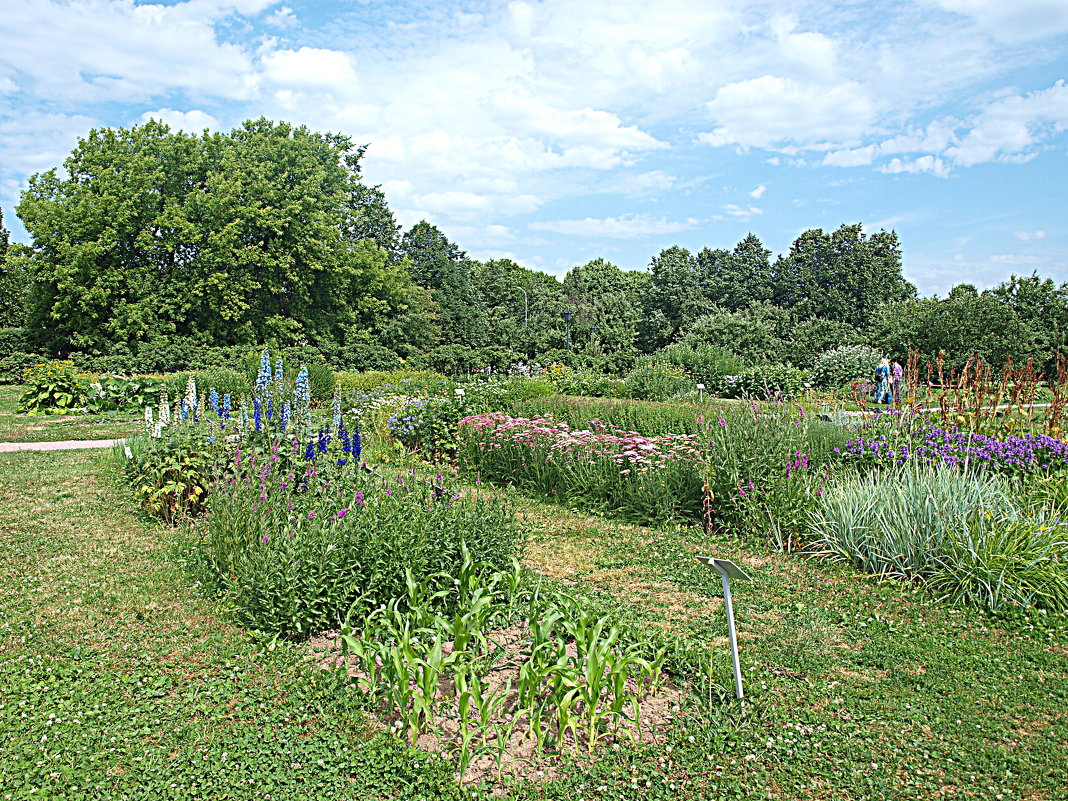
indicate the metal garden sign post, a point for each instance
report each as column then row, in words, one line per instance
column 728, row 570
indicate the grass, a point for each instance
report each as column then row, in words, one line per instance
column 854, row 689
column 16, row 427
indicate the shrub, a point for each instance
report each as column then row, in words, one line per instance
column 590, row 383
column 55, row 387
column 169, row 475
column 768, row 381
column 13, row 340
column 705, row 364
column 843, row 365
column 14, row 365
column 295, row 562
column 402, row 381
column 657, row 381
column 223, row 380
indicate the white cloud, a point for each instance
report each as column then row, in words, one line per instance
column 931, row 164
column 283, row 18
column 626, row 226
column 1026, row 236
column 1010, row 128
column 193, row 121
column 310, row 67
column 855, row 157
column 772, row 111
column 741, row 213
column 1014, row 20
column 758, row 193
column 1017, row 258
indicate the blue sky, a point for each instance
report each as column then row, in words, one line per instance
column 556, row 132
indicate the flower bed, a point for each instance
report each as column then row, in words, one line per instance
column 600, row 467
column 1026, row 453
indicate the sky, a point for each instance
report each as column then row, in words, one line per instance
column 556, row 132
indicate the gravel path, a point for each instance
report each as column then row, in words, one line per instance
column 69, row 445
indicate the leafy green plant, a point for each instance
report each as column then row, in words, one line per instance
column 657, row 381
column 169, row 475
column 55, row 387
column 115, row 392
column 705, row 364
column 15, row 364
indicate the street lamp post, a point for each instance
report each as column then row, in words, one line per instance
column 526, row 306
column 567, row 319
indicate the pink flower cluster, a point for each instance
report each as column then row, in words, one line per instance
column 629, row 450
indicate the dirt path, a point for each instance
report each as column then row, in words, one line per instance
column 67, row 445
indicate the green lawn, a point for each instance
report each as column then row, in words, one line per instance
column 119, row 680
column 16, row 427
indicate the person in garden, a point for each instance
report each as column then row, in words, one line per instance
column 882, row 381
column 897, row 373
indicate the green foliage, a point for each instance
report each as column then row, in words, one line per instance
column 599, row 468
column 169, row 475
column 843, row 365
column 406, row 381
column 258, row 235
column 14, row 365
column 765, row 470
column 55, row 387
column 960, row 326
column 581, row 676
column 656, row 380
column 755, row 334
column 705, row 364
column 13, row 340
column 299, row 556
column 223, row 380
column 114, row 392
column 767, row 381
column 735, row 280
column 427, row 426
column 845, row 275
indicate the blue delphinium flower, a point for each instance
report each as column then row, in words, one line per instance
column 335, row 408
column 278, row 371
column 270, row 408
column 226, row 406
column 263, row 378
column 302, row 393
column 285, row 417
column 213, row 401
column 309, row 451
column 357, row 445
column 324, row 440
column 256, row 418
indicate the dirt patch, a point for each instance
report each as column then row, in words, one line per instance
column 508, row 735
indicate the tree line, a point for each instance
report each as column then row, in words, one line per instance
column 154, row 241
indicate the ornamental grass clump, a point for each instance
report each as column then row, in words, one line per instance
column 600, row 468
column 959, row 533
column 300, row 550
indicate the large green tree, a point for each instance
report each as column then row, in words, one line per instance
column 606, row 305
column 844, row 275
column 257, row 235
column 12, row 281
column 439, row 265
column 735, row 279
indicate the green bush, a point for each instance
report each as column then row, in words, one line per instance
column 14, row 365
column 843, row 365
column 408, row 382
column 767, row 381
column 657, row 381
column 223, row 380
column 55, row 387
column 14, row 340
column 590, row 383
column 169, row 475
column 648, row 418
column 427, row 426
column 705, row 364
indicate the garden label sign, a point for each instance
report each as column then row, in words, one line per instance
column 728, row 570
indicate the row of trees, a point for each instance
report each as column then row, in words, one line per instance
column 269, row 234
